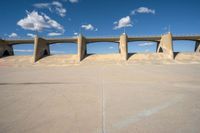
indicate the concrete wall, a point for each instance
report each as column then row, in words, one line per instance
column 197, row 47
column 123, row 46
column 5, row 47
column 81, row 41
column 166, row 46
column 41, row 48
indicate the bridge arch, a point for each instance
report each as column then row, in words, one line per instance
column 23, row 49
column 63, row 48
column 184, row 45
column 143, row 46
column 6, row 53
column 102, row 48
column 45, row 53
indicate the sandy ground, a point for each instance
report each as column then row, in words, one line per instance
column 71, row 60
column 99, row 97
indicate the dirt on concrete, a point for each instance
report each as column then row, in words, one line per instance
column 106, row 96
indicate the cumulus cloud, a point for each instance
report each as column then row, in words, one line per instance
column 37, row 22
column 89, row 27
column 30, row 35
column 123, row 22
column 54, row 6
column 13, row 35
column 146, row 44
column 54, row 34
column 143, row 10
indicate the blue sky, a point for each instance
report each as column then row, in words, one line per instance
column 67, row 18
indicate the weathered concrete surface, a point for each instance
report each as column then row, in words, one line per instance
column 5, row 49
column 166, row 46
column 135, row 98
column 197, row 47
column 41, row 48
column 123, row 46
column 81, row 41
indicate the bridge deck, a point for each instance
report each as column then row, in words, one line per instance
column 99, row 39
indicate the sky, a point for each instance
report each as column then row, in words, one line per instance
column 97, row 18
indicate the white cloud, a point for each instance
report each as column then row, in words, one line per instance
column 54, row 34
column 13, row 35
column 31, row 35
column 75, row 33
column 55, row 6
column 115, row 22
column 37, row 22
column 42, row 5
column 23, row 50
column 146, row 44
column 123, row 22
column 144, row 10
column 111, row 47
column 88, row 27
column 74, row 1
column 57, row 52
column 56, row 3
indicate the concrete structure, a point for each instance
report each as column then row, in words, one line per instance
column 41, row 45
column 5, row 49
column 166, row 45
column 41, row 48
column 82, row 48
column 197, row 47
column 123, row 46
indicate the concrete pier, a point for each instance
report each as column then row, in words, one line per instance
column 197, row 47
column 123, row 46
column 5, row 49
column 41, row 48
column 82, row 52
column 166, row 45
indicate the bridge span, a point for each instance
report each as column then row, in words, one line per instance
column 41, row 45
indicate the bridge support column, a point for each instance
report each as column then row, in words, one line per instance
column 41, row 48
column 5, row 49
column 123, row 46
column 197, row 47
column 81, row 41
column 166, row 46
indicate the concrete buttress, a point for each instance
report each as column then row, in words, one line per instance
column 5, row 49
column 41, row 48
column 166, row 46
column 123, row 46
column 81, row 41
column 197, row 47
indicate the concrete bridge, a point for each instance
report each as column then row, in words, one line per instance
column 41, row 45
